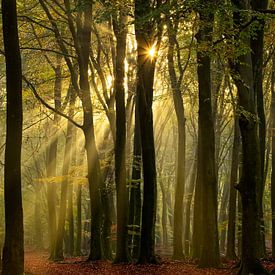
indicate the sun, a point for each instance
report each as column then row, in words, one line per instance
column 152, row 52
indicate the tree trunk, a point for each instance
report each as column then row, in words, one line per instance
column 251, row 168
column 78, row 220
column 13, row 250
column 70, row 218
column 164, row 216
column 135, row 191
column 273, row 156
column 120, row 141
column 231, row 227
column 257, row 47
column 145, row 81
column 51, row 160
column 206, row 174
column 37, row 220
column 58, row 253
column 94, row 173
column 223, row 214
column 180, row 171
column 189, row 195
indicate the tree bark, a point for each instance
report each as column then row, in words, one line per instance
column 135, row 190
column 273, row 156
column 120, row 30
column 13, row 250
column 189, row 195
column 78, row 220
column 58, row 253
column 51, row 160
column 257, row 47
column 206, row 213
column 180, row 171
column 231, row 227
column 223, row 214
column 249, row 186
column 145, row 81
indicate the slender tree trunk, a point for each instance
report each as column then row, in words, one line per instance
column 13, row 250
column 189, row 196
column 223, row 215
column 180, row 172
column 78, row 220
column 70, row 209
column 164, row 216
column 135, row 191
column 70, row 218
column 273, row 156
column 51, row 160
column 58, row 253
column 37, row 219
column 106, row 197
column 231, row 227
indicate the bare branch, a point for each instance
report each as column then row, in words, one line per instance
column 31, row 86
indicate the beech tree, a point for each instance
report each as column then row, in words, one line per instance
column 13, row 250
column 148, row 34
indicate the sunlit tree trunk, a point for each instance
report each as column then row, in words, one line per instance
column 180, row 171
column 58, row 253
column 37, row 219
column 51, row 159
column 13, row 250
column 223, row 215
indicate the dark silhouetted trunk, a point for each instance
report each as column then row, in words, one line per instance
column 257, row 47
column 145, row 37
column 13, row 250
column 249, row 186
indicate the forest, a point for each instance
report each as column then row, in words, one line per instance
column 137, row 137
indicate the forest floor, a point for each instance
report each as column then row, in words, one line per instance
column 37, row 263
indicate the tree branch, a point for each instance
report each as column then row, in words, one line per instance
column 31, row 86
